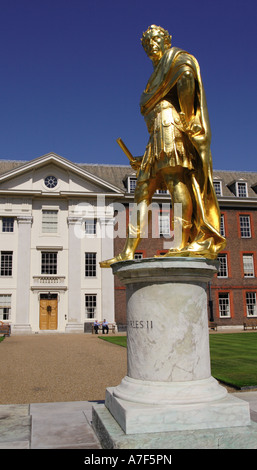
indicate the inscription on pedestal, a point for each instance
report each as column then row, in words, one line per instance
column 147, row 324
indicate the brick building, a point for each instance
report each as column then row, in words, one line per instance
column 233, row 291
column 42, row 258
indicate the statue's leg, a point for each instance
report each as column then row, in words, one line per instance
column 180, row 194
column 139, row 223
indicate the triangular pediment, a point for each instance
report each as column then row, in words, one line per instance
column 68, row 177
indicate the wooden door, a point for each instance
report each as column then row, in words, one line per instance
column 48, row 314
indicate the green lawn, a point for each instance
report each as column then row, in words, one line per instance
column 233, row 357
column 120, row 340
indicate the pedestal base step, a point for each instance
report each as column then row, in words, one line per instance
column 111, row 436
column 137, row 418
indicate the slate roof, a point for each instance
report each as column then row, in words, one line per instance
column 115, row 175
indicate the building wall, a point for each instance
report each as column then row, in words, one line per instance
column 70, row 284
column 235, row 283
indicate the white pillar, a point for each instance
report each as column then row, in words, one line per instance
column 169, row 386
column 107, row 279
column 22, row 324
column 74, row 325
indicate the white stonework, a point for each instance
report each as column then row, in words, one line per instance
column 23, row 198
column 169, row 386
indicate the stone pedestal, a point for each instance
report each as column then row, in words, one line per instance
column 169, row 386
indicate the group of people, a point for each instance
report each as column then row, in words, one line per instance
column 105, row 326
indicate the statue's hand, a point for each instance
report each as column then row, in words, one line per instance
column 136, row 163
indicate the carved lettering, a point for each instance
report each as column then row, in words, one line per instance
column 139, row 324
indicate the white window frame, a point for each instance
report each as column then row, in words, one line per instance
column 90, row 226
column 241, row 184
column 162, row 191
column 248, row 265
column 5, row 307
column 90, row 264
column 217, row 187
column 49, row 221
column 91, row 304
column 7, row 224
column 223, row 269
column 222, row 225
column 132, row 182
column 6, row 263
column 138, row 256
column 245, row 226
column 49, row 262
column 250, row 298
column 164, row 224
column 224, row 296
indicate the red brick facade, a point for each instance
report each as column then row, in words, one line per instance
column 233, row 292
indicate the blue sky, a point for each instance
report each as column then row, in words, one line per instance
column 72, row 72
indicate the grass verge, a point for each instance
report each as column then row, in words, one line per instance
column 233, row 357
column 119, row 340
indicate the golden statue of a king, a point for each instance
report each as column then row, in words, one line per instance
column 177, row 156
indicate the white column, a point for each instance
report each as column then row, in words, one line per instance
column 22, row 324
column 169, row 386
column 107, row 278
column 74, row 325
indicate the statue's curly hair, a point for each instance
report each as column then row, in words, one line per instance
column 162, row 31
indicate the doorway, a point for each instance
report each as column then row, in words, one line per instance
column 48, row 312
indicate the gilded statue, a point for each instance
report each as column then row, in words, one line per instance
column 178, row 156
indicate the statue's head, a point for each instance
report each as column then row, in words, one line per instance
column 155, row 41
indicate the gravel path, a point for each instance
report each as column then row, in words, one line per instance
column 58, row 367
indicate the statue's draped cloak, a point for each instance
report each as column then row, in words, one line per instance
column 173, row 64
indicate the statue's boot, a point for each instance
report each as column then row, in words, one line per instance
column 181, row 249
column 132, row 241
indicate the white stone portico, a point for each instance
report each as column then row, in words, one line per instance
column 51, row 245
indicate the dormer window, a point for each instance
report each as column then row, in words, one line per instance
column 132, row 181
column 241, row 189
column 238, row 188
column 218, row 188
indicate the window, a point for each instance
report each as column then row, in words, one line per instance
column 162, row 191
column 217, row 187
column 51, row 182
column 223, row 270
column 7, row 224
column 90, row 264
column 251, row 304
column 90, row 304
column 224, row 305
column 5, row 307
column 241, row 190
column 222, row 225
column 164, row 225
column 6, row 263
column 90, row 226
column 49, row 221
column 138, row 256
column 132, row 184
column 49, row 262
column 245, row 226
column 248, row 265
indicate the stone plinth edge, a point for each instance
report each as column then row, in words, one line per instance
column 165, row 269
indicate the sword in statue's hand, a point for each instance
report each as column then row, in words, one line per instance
column 134, row 162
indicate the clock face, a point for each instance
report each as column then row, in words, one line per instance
column 50, row 182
